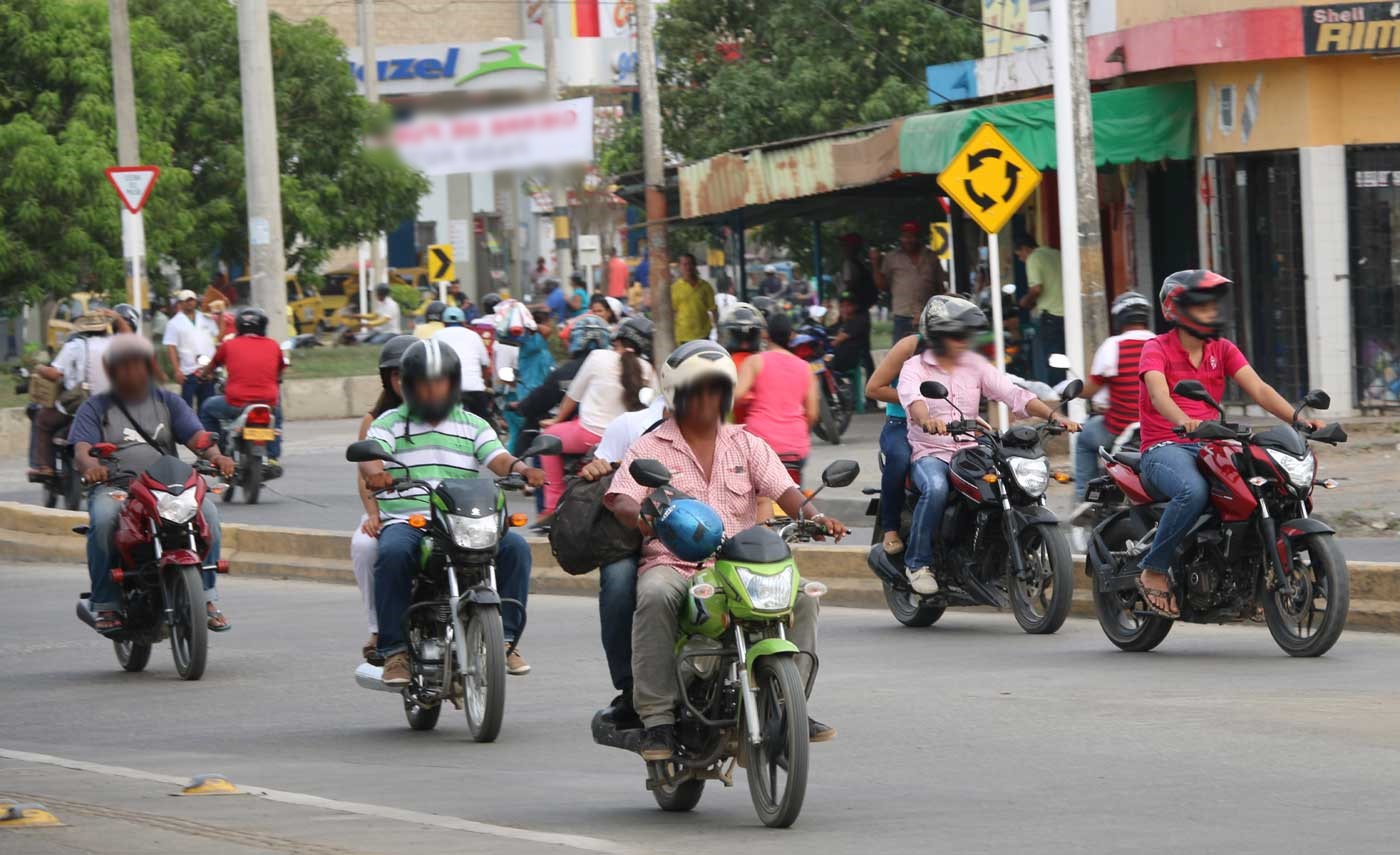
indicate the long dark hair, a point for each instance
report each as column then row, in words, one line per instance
column 632, row 379
column 388, row 398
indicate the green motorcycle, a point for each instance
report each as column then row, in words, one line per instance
column 743, row 700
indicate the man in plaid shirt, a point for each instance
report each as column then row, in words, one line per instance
column 727, row 468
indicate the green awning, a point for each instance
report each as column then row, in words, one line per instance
column 1142, row 123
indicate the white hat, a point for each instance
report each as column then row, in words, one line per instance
column 768, row 268
column 186, row 294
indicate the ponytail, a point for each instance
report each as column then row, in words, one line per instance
column 632, row 380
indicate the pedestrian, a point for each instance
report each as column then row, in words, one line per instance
column 910, row 275
column 385, row 306
column 1045, row 299
column 618, row 275
column 189, row 336
column 222, row 321
column 856, row 278
column 772, row 284
column 692, row 302
column 539, row 275
column 724, row 295
column 851, row 342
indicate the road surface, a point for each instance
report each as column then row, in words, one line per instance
column 968, row 737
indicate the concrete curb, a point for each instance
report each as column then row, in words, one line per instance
column 32, row 533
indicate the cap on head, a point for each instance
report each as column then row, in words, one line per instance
column 910, row 228
column 186, row 294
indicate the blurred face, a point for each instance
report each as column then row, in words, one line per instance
column 1023, row 252
column 601, row 310
column 188, row 306
column 956, row 345
column 687, row 267
column 545, row 327
column 706, row 402
column 909, row 242
column 131, row 379
column 436, row 391
column 847, row 308
column 1205, row 313
column 395, row 383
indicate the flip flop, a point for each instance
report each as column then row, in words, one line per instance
column 1165, row 594
column 217, row 622
column 112, row 621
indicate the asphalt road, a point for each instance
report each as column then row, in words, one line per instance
column 968, row 737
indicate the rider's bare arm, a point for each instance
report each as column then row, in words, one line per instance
column 879, row 387
column 366, row 500
column 1266, row 396
column 812, row 407
column 1091, row 388
column 627, row 510
column 748, row 375
column 791, row 502
column 1161, row 397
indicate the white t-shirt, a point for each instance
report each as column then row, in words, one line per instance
column 626, row 430
column 597, row 388
column 390, row 309
column 506, row 356
column 80, row 360
column 192, row 339
column 471, row 351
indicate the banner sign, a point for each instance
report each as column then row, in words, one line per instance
column 555, row 133
column 483, row 66
column 1351, row 28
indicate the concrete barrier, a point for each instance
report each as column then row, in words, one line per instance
column 31, row 533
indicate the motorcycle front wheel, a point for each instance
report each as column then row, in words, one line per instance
column 777, row 765
column 679, row 798
column 1041, row 601
column 1310, row 620
column 132, row 655
column 189, row 636
column 484, row 672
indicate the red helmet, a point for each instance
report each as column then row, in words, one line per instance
column 1192, row 288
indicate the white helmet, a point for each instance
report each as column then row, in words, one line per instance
column 691, row 364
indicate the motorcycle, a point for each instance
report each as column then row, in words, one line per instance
column 838, row 399
column 742, row 698
column 456, row 641
column 64, row 485
column 997, row 501
column 246, row 442
column 1256, row 547
column 162, row 541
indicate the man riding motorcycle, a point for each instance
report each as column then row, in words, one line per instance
column 727, row 468
column 78, row 367
column 437, row 438
column 254, row 363
column 1194, row 350
column 144, row 422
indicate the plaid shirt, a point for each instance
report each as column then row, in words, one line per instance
column 744, row 468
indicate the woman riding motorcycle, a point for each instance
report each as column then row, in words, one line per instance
column 587, row 333
column 781, row 395
column 894, row 439
column 947, row 324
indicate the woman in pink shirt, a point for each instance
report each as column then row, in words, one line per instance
column 782, row 395
column 947, row 324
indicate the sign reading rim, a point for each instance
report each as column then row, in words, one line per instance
column 1352, row 28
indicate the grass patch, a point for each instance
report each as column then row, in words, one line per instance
column 881, row 333
column 317, row 362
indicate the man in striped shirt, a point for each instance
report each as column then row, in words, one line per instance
column 436, row 439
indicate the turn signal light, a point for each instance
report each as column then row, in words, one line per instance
column 815, row 590
column 702, row 591
column 418, row 521
column 218, row 489
column 1329, row 484
column 1258, row 480
column 990, row 478
column 119, row 495
column 518, row 520
column 118, row 575
column 221, row 566
column 1061, row 477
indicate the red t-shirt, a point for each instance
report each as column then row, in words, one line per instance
column 254, row 366
column 1220, row 360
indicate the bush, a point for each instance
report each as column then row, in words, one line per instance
column 406, row 296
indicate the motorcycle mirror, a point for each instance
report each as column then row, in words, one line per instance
column 840, row 473
column 506, row 374
column 1194, row 390
column 545, row 443
column 933, row 389
column 1318, row 399
column 646, row 395
column 649, row 472
column 366, row 450
column 1072, row 390
column 1060, row 361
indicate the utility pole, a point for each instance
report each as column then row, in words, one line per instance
column 563, row 258
column 364, row 23
column 266, row 264
column 654, row 174
column 128, row 148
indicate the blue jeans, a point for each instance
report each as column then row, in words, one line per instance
column 1169, row 469
column 617, row 600
column 1091, row 438
column 196, row 391
column 931, row 479
column 903, row 326
column 217, row 411
column 894, row 444
column 103, row 513
column 397, row 564
column 1049, row 338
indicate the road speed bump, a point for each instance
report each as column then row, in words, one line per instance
column 14, row 815
column 210, row 785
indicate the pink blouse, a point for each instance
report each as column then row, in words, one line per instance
column 974, row 379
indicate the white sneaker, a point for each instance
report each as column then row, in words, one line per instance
column 922, row 581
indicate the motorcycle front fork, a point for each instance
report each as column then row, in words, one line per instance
column 746, row 685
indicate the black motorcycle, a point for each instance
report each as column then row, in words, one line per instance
column 1000, row 545
column 245, row 440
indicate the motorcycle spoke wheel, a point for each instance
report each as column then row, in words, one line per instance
column 777, row 765
column 1308, row 620
column 1042, row 595
column 484, row 672
column 189, row 636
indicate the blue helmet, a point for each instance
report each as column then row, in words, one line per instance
column 453, row 315
column 691, row 529
column 589, row 332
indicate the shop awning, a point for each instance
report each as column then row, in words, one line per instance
column 1144, row 123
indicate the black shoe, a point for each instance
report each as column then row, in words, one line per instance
column 818, row 732
column 621, row 714
column 659, row 743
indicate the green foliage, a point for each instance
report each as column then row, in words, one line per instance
column 406, row 296
column 623, row 152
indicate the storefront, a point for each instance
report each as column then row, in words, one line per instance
column 1373, row 218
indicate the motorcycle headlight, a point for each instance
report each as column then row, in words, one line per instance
column 177, row 509
column 1032, row 474
column 474, row 532
column 1300, row 472
column 768, row 593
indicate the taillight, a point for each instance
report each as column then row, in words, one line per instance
column 259, row 417
column 118, row 575
column 221, row 566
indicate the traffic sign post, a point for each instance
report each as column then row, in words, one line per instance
column 442, row 267
column 990, row 180
column 133, row 185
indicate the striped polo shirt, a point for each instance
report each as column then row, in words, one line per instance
column 457, row 447
column 1116, row 367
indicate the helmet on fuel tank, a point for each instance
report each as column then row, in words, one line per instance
column 427, row 359
column 589, row 333
column 690, row 529
column 1130, row 307
column 1186, row 288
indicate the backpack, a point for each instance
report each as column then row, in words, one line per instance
column 584, row 534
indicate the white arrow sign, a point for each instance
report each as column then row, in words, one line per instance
column 133, row 184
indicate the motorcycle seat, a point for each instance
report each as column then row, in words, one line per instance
column 1130, row 459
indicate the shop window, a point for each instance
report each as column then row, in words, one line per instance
column 1373, row 205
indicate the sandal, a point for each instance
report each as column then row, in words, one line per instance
column 217, row 621
column 892, row 544
column 1166, row 595
column 108, row 622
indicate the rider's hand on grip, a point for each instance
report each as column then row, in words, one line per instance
column 95, row 475
column 380, row 480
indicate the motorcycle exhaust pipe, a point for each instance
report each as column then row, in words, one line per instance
column 369, row 676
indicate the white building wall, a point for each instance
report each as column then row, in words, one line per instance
column 1327, row 287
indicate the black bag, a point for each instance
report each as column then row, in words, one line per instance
column 584, row 535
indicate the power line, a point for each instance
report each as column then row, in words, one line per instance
column 979, row 22
column 865, row 44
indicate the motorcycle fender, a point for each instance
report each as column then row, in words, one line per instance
column 1293, row 530
column 482, row 596
column 180, row 558
column 768, row 647
column 1035, row 515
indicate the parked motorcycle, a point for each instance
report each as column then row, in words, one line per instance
column 1256, row 547
column 838, row 401
column 742, row 698
column 246, row 442
column 456, row 641
column 999, row 544
column 162, row 542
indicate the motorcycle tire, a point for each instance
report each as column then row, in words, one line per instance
column 827, row 428
column 910, row 609
column 1035, row 612
column 1327, row 569
column 421, row 718
column 484, row 672
column 189, row 637
column 782, row 715
column 680, row 798
column 252, row 478
column 132, row 655
column 72, row 489
column 1122, row 614
column 845, row 404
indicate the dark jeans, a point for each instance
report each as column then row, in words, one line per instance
column 196, row 391
column 48, row 423
column 903, row 326
column 894, row 444
column 103, row 514
column 1169, row 469
column 1049, row 338
column 217, row 411
column 397, row 564
column 931, row 478
column 617, row 600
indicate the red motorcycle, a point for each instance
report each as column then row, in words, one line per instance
column 1256, row 548
column 162, row 540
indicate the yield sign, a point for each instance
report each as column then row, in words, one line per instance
column 133, row 184
column 440, row 263
column 989, row 178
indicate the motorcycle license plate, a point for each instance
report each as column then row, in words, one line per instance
column 259, row 434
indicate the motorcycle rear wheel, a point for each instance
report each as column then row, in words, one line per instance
column 910, row 609
column 827, row 428
column 252, row 478
column 189, row 637
column 680, row 798
column 484, row 672
column 132, row 655
column 782, row 716
column 1122, row 614
column 1045, row 550
column 1293, row 620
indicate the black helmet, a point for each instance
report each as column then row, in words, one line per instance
column 741, row 328
column 1130, row 307
column 391, row 355
column 434, row 311
column 635, row 332
column 427, row 359
column 250, row 321
column 489, row 303
column 382, row 289
column 947, row 315
column 128, row 313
